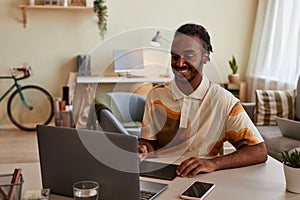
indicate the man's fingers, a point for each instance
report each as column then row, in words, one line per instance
column 193, row 166
column 185, row 164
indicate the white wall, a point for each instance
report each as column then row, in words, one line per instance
column 53, row 38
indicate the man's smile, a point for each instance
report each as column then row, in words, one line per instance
column 182, row 69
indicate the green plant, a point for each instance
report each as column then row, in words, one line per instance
column 101, row 10
column 291, row 159
column 233, row 65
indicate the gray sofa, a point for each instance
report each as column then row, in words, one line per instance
column 275, row 141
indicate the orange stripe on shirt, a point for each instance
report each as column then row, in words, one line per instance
column 170, row 113
column 243, row 134
column 238, row 108
column 237, row 139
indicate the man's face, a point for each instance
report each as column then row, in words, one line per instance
column 186, row 60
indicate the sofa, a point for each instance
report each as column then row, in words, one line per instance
column 276, row 143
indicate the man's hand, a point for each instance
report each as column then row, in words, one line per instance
column 246, row 155
column 143, row 150
column 192, row 166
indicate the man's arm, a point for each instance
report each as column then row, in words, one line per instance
column 246, row 155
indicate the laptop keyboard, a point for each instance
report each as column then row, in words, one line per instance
column 146, row 195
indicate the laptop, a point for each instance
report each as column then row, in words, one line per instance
column 68, row 155
column 289, row 128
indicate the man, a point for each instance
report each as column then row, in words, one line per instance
column 192, row 117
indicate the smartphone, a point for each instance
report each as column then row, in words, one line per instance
column 197, row 191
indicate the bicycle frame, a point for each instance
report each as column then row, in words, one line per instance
column 18, row 86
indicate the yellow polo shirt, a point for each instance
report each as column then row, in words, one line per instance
column 197, row 124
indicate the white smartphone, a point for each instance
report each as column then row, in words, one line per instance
column 197, row 191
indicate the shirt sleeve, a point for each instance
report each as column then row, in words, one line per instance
column 147, row 129
column 239, row 129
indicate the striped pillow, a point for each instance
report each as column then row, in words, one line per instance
column 272, row 103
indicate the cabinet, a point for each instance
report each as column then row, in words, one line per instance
column 25, row 9
column 239, row 90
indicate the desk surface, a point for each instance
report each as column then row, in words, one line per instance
column 259, row 182
column 121, row 79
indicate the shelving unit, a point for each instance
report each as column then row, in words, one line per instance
column 48, row 7
column 239, row 90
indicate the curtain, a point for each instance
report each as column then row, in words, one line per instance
column 274, row 61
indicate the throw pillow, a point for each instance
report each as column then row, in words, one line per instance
column 273, row 103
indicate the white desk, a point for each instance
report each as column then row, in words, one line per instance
column 121, row 79
column 260, row 182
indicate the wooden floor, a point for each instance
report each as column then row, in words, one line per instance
column 18, row 146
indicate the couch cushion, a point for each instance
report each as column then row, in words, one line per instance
column 297, row 100
column 275, row 142
column 269, row 132
column 273, row 103
column 277, row 145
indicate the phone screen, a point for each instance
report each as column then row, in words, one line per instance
column 198, row 190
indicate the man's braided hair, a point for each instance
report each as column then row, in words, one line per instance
column 196, row 30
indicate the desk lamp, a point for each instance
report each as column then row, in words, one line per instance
column 156, row 39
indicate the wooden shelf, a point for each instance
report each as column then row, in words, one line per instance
column 48, row 7
column 118, row 79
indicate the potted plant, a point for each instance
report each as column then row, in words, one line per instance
column 101, row 10
column 291, row 167
column 234, row 77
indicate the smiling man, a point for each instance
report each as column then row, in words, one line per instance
column 191, row 117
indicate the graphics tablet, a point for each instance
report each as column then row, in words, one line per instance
column 158, row 170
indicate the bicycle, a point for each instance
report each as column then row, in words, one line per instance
column 28, row 105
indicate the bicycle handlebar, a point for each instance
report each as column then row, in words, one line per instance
column 26, row 72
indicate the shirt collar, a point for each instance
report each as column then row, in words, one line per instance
column 199, row 93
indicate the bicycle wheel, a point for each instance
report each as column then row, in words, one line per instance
column 41, row 111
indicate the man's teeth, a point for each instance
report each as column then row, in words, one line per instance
column 183, row 70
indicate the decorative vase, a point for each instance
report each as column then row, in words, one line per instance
column 292, row 178
column 234, row 78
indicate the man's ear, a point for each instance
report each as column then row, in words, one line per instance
column 205, row 57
